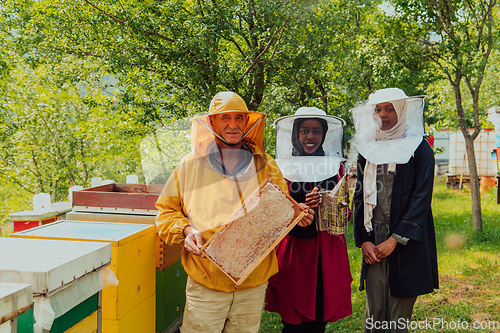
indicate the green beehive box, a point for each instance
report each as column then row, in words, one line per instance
column 25, row 322
column 170, row 297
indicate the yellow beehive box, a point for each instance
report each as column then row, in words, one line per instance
column 166, row 255
column 141, row 319
column 132, row 259
column 87, row 325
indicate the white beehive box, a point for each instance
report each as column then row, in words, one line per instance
column 49, row 264
column 15, row 298
column 56, row 209
column 483, row 146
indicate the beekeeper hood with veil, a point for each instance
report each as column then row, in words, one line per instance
column 397, row 144
column 389, row 128
column 212, row 137
column 226, row 165
column 299, row 165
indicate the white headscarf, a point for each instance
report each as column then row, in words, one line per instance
column 398, row 131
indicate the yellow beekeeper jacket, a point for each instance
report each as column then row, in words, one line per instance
column 197, row 195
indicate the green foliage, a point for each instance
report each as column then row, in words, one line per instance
column 342, row 53
column 136, row 67
column 163, row 149
column 13, row 199
column 54, row 137
column 169, row 56
column 458, row 38
column 329, row 54
column 442, row 105
column 278, row 57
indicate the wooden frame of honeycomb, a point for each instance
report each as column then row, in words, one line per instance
column 238, row 246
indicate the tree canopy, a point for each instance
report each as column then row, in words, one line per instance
column 465, row 36
column 52, row 137
column 104, row 75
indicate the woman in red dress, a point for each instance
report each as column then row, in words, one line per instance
column 313, row 285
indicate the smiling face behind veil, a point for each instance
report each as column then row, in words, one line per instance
column 298, row 149
column 323, row 154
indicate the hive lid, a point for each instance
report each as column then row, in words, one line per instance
column 56, row 208
column 115, row 218
column 14, row 297
column 116, row 233
column 49, row 264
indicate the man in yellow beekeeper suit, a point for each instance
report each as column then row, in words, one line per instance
column 225, row 167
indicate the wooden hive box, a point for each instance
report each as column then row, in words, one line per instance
column 140, row 319
column 25, row 322
column 48, row 265
column 88, row 324
column 132, row 260
column 133, row 198
column 82, row 318
column 239, row 245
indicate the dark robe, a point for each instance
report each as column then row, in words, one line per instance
column 413, row 267
column 314, row 280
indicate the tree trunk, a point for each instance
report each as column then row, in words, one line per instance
column 477, row 220
column 259, row 85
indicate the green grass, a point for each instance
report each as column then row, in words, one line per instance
column 468, row 269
